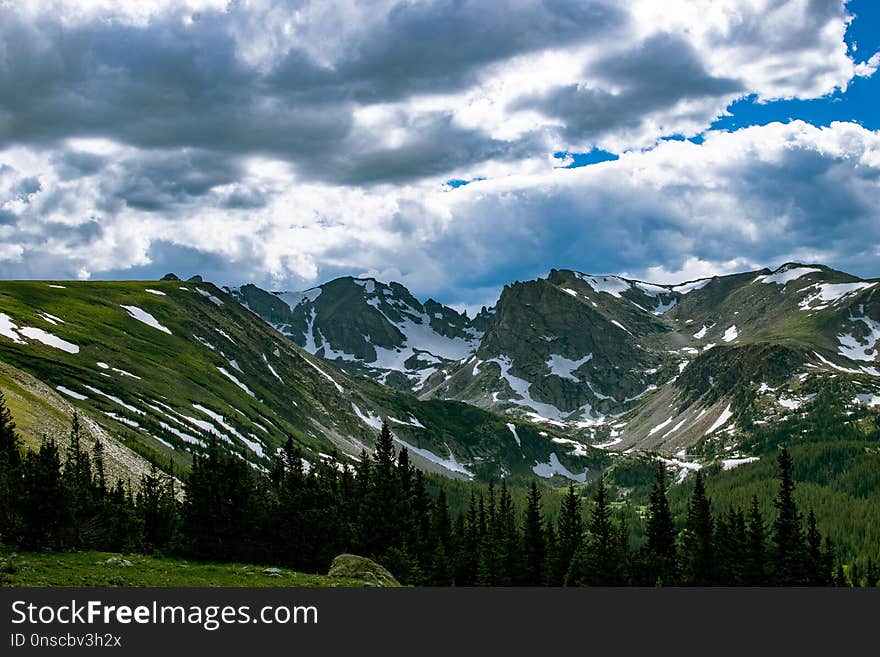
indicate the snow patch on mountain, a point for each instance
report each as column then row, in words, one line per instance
column 449, row 463
column 51, row 318
column 70, row 393
column 660, row 426
column 146, row 318
column 369, row 419
column 521, row 387
column 49, row 339
column 512, row 428
column 730, row 464
column 563, row 367
column 829, row 293
column 870, row 400
column 554, row 467
column 293, row 299
column 731, row 334
column 9, row 329
column 613, row 285
column 723, row 419
column 691, row 286
column 785, row 275
column 232, row 378
column 859, row 348
column 115, row 400
column 272, row 369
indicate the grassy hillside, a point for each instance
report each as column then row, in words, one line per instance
column 74, row 569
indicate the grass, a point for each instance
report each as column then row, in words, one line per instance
column 98, row 569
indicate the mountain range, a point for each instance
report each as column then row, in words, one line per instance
column 563, row 376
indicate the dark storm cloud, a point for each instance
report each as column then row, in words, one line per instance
column 441, row 46
column 656, row 75
column 162, row 180
column 70, row 165
column 438, row 146
column 170, row 84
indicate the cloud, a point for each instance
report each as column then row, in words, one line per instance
column 290, row 142
column 756, row 197
column 459, row 84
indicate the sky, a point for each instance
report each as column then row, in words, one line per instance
column 453, row 146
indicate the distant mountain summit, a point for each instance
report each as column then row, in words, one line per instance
column 604, row 355
column 368, row 327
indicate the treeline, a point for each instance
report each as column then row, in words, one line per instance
column 302, row 517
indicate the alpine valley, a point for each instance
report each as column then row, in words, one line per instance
column 561, row 377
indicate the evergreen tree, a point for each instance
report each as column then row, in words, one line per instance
column 534, row 541
column 732, row 548
column 78, row 485
column 828, row 560
column 697, row 558
column 552, row 559
column 658, row 556
column 156, row 510
column 509, row 539
column 382, row 509
column 10, row 472
column 814, row 563
column 872, row 574
column 46, row 516
column 599, row 561
column 100, row 481
column 787, row 555
column 571, row 533
column 755, row 568
column 441, row 570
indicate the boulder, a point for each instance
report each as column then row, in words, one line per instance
column 351, row 566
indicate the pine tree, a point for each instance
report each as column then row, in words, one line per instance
column 571, row 533
column 872, row 574
column 46, row 516
column 815, row 564
column 78, row 484
column 382, row 509
column 534, row 541
column 552, row 558
column 491, row 558
column 156, row 509
column 787, row 555
column 441, row 569
column 100, row 482
column 511, row 539
column 658, row 556
column 736, row 547
column 599, row 561
column 828, row 560
column 697, row 558
column 755, row 566
column 10, row 472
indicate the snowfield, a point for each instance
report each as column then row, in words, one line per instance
column 448, row 463
column 232, row 378
column 563, row 367
column 861, row 348
column 49, row 340
column 70, row 393
column 784, row 276
column 830, row 293
column 554, row 467
column 723, row 419
column 146, row 318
